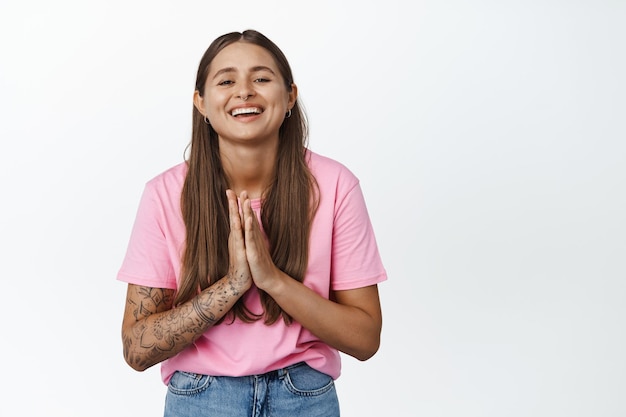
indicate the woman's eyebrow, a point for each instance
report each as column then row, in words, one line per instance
column 224, row 71
column 261, row 68
column 257, row 68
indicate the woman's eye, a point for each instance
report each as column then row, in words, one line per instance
column 225, row 82
column 262, row 80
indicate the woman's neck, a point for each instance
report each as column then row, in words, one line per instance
column 248, row 168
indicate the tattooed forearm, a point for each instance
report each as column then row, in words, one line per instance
column 151, row 300
column 199, row 309
column 155, row 330
column 155, row 337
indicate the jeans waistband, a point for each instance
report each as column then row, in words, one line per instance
column 280, row 373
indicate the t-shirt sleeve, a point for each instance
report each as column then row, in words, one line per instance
column 147, row 260
column 356, row 261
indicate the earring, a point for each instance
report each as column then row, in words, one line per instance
column 288, row 114
column 207, row 121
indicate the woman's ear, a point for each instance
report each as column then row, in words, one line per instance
column 293, row 95
column 198, row 102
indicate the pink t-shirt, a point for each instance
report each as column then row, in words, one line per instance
column 343, row 255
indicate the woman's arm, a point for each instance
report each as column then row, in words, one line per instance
column 351, row 321
column 154, row 330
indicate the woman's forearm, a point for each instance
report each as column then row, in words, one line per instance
column 351, row 323
column 153, row 331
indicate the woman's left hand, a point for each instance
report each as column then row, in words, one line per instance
column 350, row 321
column 262, row 268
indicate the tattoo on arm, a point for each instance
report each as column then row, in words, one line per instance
column 148, row 342
column 143, row 344
column 199, row 309
column 153, row 301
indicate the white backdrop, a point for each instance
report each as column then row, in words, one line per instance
column 489, row 137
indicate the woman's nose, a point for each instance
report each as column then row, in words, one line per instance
column 245, row 91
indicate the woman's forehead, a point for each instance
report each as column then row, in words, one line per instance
column 243, row 56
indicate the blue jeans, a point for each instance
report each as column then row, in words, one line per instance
column 297, row 390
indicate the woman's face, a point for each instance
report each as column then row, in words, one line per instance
column 245, row 98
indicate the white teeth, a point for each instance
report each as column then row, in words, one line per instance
column 245, row 110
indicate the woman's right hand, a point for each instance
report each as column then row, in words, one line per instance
column 239, row 274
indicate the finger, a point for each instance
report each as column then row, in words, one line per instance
column 248, row 216
column 233, row 210
column 251, row 240
column 245, row 203
column 250, row 219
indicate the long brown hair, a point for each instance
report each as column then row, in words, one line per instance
column 286, row 210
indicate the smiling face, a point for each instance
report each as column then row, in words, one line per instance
column 245, row 97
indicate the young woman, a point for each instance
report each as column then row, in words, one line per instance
column 252, row 264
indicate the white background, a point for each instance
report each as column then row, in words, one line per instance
column 489, row 137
